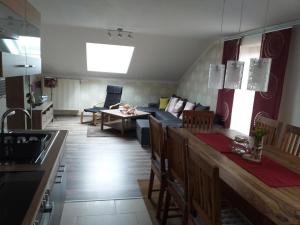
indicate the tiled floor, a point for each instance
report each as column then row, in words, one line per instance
column 112, row 212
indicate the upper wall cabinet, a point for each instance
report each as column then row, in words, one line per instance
column 19, row 39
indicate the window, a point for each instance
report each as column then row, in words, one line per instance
column 108, row 58
column 243, row 99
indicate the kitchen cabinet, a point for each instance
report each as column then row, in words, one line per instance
column 42, row 115
column 19, row 39
column 17, row 89
column 57, row 195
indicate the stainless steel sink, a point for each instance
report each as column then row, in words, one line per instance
column 25, row 147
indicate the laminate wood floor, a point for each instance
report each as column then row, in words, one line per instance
column 101, row 168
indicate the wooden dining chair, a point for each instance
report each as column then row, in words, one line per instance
column 196, row 121
column 158, row 161
column 204, row 198
column 176, row 175
column 271, row 127
column 291, row 140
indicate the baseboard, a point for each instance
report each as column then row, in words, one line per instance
column 66, row 112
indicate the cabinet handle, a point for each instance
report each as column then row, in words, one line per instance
column 62, row 168
column 23, row 66
column 31, row 66
column 58, row 181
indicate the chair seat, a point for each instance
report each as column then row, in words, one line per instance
column 94, row 109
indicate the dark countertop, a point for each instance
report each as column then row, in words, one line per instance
column 48, row 167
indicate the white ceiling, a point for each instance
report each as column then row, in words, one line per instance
column 197, row 18
column 169, row 34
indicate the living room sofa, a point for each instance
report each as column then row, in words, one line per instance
column 165, row 117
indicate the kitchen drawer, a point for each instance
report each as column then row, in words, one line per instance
column 34, row 66
column 12, row 65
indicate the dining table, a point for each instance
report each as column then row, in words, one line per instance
column 279, row 205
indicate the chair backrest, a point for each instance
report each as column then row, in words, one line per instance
column 198, row 120
column 157, row 141
column 113, row 95
column 204, row 187
column 176, row 154
column 291, row 140
column 272, row 128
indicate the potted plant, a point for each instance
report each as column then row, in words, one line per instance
column 258, row 142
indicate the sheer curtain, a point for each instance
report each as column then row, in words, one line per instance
column 243, row 99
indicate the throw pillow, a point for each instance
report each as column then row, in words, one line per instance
column 178, row 108
column 171, row 104
column 188, row 106
column 163, row 102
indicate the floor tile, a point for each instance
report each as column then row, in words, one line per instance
column 117, row 219
column 89, row 208
column 130, row 205
column 68, row 219
column 143, row 218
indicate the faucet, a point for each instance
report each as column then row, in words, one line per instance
column 10, row 112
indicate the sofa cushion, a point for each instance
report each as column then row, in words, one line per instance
column 162, row 115
column 142, row 131
column 151, row 110
column 178, row 108
column 171, row 104
column 200, row 107
column 188, row 106
column 163, row 103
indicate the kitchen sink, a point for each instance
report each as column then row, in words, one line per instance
column 25, row 147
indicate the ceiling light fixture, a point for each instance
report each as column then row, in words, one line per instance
column 120, row 33
column 235, row 68
column 216, row 71
column 259, row 71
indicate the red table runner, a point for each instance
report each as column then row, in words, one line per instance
column 218, row 141
column 268, row 171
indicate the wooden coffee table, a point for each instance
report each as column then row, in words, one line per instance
column 120, row 115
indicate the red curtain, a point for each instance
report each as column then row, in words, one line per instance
column 225, row 96
column 275, row 45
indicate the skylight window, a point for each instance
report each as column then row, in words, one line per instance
column 108, row 58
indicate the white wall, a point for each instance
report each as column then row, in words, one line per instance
column 194, row 84
column 78, row 94
column 290, row 101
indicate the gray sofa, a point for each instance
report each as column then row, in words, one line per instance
column 166, row 118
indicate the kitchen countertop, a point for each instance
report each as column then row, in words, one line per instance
column 47, row 167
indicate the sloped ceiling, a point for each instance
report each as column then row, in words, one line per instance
column 168, row 34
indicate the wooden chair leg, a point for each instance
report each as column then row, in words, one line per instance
column 160, row 198
column 81, row 117
column 94, row 119
column 166, row 209
column 185, row 217
column 150, row 188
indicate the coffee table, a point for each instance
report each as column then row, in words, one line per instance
column 120, row 115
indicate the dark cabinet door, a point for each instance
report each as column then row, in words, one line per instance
column 57, row 195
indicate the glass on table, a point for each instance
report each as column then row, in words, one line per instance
column 240, row 145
